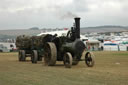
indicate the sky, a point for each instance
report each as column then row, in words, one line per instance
column 24, row 14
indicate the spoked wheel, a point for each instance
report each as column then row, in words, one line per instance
column 89, row 59
column 34, row 56
column 68, row 60
column 50, row 54
column 75, row 61
column 19, row 56
column 23, row 57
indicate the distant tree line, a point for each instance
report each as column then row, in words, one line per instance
column 34, row 28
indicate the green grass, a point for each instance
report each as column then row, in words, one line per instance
column 111, row 68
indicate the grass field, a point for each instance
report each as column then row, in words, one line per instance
column 111, row 68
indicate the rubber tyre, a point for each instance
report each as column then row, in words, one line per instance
column 50, row 54
column 23, row 55
column 34, row 56
column 68, row 60
column 89, row 59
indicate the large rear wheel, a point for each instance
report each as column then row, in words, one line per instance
column 68, row 60
column 50, row 54
column 89, row 59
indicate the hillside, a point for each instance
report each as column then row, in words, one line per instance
column 104, row 29
column 5, row 34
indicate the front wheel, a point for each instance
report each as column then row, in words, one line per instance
column 89, row 59
column 68, row 60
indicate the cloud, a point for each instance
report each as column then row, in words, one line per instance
column 59, row 13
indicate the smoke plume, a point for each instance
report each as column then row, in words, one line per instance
column 68, row 15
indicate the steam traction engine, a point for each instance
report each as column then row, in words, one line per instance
column 67, row 48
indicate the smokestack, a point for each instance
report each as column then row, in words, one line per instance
column 77, row 27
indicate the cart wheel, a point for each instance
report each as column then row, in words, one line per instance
column 68, row 60
column 19, row 56
column 39, row 58
column 75, row 61
column 34, row 56
column 50, row 54
column 23, row 57
column 89, row 59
